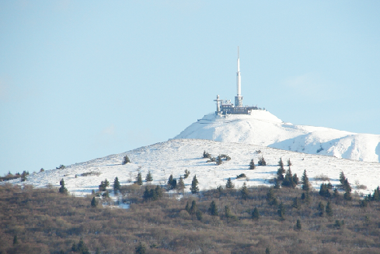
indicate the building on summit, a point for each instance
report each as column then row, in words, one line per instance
column 225, row 107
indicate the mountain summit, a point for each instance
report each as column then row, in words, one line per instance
column 260, row 127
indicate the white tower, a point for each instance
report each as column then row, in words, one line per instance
column 238, row 97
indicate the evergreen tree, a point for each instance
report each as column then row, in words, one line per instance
column 324, row 191
column 295, row 179
column 170, row 180
column 149, row 177
column 15, row 241
column 116, row 185
column 213, row 210
column 103, row 185
column 321, row 209
column 229, row 184
column 271, row 198
column 281, row 211
column 376, row 195
column 342, row 178
column 219, row 160
column 194, row 185
column 329, row 210
column 305, row 182
column 140, row 249
column 255, row 214
column 262, row 162
column 296, row 203
column 228, row 213
column 280, row 176
column 298, row 225
column 62, row 189
column 94, row 203
column 187, row 173
column 289, row 163
column 281, row 164
column 187, row 207
column 305, row 197
column 267, row 251
column 252, row 164
column 139, row 179
column 244, row 192
column 125, row 160
column 180, row 184
column 289, row 179
column 199, row 214
column 193, row 208
column 347, row 188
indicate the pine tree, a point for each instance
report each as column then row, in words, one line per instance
column 180, row 184
column 213, row 210
column 140, row 249
column 289, row 179
column 187, row 207
column 170, row 180
column 255, row 214
column 342, row 178
column 62, row 189
column 271, row 198
column 289, row 163
column 298, row 225
column 139, row 179
column 296, row 203
column 281, row 164
column 15, row 241
column 305, row 197
column 116, row 185
column 229, row 214
column 262, row 162
column 187, row 173
column 267, row 251
column 321, row 209
column 193, row 209
column 324, row 191
column 194, row 185
column 252, row 164
column 305, row 182
column 281, row 211
column 149, row 177
column 125, row 160
column 329, row 210
column 229, row 184
column 244, row 192
column 219, row 160
column 94, row 203
column 199, row 214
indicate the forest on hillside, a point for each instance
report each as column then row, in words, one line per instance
column 280, row 219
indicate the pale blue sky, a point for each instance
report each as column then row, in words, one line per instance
column 85, row 79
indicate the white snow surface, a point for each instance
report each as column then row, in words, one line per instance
column 263, row 128
column 177, row 155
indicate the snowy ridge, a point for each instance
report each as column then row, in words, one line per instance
column 174, row 156
column 265, row 129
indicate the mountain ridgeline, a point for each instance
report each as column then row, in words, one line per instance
column 263, row 128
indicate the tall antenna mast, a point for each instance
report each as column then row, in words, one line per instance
column 238, row 97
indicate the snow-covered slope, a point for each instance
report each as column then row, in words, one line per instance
column 263, row 128
column 174, row 156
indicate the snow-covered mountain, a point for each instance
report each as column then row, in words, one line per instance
column 175, row 156
column 263, row 128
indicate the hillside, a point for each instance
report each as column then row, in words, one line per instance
column 265, row 129
column 175, row 156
